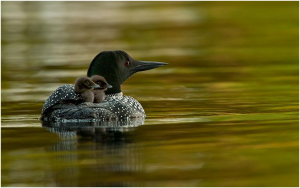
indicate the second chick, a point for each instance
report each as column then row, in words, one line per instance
column 99, row 93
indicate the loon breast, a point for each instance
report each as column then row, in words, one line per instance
column 115, row 107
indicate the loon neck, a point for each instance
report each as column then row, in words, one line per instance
column 115, row 89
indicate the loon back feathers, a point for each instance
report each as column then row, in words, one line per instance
column 62, row 93
column 114, row 107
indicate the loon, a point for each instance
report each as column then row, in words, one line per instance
column 84, row 87
column 99, row 93
column 115, row 67
column 70, row 94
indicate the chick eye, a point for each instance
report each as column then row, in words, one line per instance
column 127, row 63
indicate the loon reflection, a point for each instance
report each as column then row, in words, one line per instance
column 77, row 161
column 115, row 67
column 91, row 129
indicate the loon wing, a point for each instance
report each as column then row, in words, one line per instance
column 60, row 95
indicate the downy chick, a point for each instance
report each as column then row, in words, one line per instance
column 84, row 87
column 70, row 94
column 99, row 93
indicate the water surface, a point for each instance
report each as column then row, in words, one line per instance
column 224, row 112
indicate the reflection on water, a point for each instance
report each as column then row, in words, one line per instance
column 195, row 153
column 101, row 140
column 93, row 170
column 91, row 129
column 87, row 162
column 71, row 161
column 224, row 112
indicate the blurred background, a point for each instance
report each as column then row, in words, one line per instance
column 224, row 112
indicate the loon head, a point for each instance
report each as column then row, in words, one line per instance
column 117, row 66
column 101, row 81
column 83, row 84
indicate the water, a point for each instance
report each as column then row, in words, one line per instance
column 224, row 112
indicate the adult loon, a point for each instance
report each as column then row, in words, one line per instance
column 115, row 67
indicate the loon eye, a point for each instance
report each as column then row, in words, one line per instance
column 127, row 64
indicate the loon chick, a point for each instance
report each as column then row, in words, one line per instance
column 115, row 67
column 84, row 87
column 99, row 94
column 70, row 94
